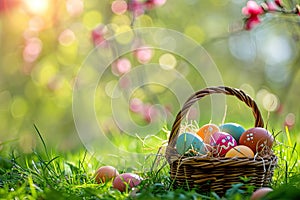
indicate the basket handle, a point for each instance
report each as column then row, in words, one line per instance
column 207, row 91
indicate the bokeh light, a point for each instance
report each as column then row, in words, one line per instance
column 290, row 120
column 124, row 38
column 92, row 18
column 74, row 7
column 32, row 49
column 36, row 23
column 247, row 88
column 67, row 37
column 19, row 107
column 167, row 61
column 276, row 50
column 143, row 54
column 119, row 7
column 195, row 32
column 242, row 47
column 270, row 102
column 136, row 105
column 37, row 6
column 121, row 66
column 110, row 88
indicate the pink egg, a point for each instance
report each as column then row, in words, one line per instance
column 126, row 180
column 105, row 173
column 221, row 143
column 260, row 193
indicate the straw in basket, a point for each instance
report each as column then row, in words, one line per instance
column 217, row 174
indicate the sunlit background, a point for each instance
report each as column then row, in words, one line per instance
column 44, row 42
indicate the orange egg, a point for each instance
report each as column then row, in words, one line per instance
column 260, row 193
column 105, row 173
column 206, row 131
column 240, row 151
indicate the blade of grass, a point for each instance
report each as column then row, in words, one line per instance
column 288, row 135
column 44, row 144
column 32, row 188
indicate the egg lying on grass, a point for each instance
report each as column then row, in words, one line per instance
column 260, row 193
column 126, row 181
column 105, row 173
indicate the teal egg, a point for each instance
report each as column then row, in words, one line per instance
column 187, row 141
column 233, row 129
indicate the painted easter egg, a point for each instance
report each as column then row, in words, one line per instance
column 126, row 181
column 206, row 131
column 187, row 141
column 105, row 173
column 260, row 193
column 222, row 142
column 257, row 139
column 240, row 151
column 233, row 129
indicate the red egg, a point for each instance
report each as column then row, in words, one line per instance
column 260, row 193
column 126, row 180
column 222, row 142
column 257, row 139
column 105, row 173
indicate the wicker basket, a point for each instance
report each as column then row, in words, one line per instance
column 217, row 174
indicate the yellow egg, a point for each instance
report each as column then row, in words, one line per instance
column 206, row 131
column 240, row 151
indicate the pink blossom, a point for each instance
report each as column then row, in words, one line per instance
column 298, row 9
column 98, row 34
column 159, row 2
column 279, row 3
column 252, row 8
column 252, row 11
column 136, row 7
column 252, row 21
column 150, row 4
column 272, row 6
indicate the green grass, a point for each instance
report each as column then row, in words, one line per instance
column 46, row 174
